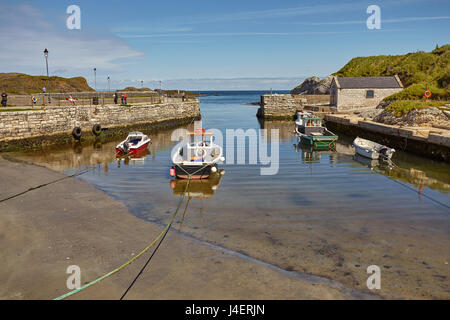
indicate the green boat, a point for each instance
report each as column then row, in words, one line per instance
column 311, row 132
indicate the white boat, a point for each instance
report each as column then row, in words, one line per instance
column 197, row 157
column 372, row 150
column 135, row 143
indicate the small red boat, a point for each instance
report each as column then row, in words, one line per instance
column 135, row 143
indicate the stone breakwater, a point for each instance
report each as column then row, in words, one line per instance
column 60, row 121
column 284, row 106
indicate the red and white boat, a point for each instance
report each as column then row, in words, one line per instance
column 135, row 143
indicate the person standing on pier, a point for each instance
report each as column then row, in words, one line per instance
column 125, row 96
column 183, row 96
column 4, row 99
column 115, row 97
column 121, row 98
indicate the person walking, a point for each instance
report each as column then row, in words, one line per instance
column 115, row 97
column 4, row 99
column 121, row 98
column 125, row 96
column 183, row 96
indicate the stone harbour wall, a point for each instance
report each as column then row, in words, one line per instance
column 57, row 120
column 278, row 106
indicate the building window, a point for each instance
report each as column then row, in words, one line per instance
column 370, row 94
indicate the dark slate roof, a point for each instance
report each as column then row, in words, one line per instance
column 368, row 82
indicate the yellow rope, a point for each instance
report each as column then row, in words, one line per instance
column 136, row 257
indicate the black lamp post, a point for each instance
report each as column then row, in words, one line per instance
column 95, row 79
column 48, row 78
column 109, row 84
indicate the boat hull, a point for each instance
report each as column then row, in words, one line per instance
column 372, row 150
column 133, row 150
column 196, row 171
column 365, row 152
column 319, row 142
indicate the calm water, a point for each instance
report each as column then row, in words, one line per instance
column 324, row 213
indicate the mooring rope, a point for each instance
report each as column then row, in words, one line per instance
column 160, row 236
column 43, row 185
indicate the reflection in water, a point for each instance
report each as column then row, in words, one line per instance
column 369, row 163
column 137, row 159
column 201, row 188
column 311, row 155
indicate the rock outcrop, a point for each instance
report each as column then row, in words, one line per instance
column 421, row 117
column 314, row 85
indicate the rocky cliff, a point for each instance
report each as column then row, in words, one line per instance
column 314, row 85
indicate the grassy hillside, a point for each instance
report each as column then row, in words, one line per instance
column 19, row 83
column 134, row 89
column 416, row 70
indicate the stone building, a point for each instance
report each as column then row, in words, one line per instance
column 361, row 92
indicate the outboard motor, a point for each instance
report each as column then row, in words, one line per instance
column 125, row 147
column 386, row 152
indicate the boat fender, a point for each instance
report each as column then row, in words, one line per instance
column 172, row 172
column 213, row 169
column 96, row 130
column 222, row 159
column 76, row 133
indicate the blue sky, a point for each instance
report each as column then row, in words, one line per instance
column 201, row 45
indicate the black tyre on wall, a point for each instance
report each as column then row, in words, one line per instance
column 76, row 133
column 96, row 130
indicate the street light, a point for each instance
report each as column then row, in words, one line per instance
column 109, row 84
column 48, row 78
column 142, row 83
column 95, row 79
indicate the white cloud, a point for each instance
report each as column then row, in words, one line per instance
column 24, row 33
column 395, row 20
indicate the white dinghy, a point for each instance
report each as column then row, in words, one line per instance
column 372, row 150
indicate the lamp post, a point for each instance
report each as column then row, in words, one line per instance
column 109, row 84
column 95, row 79
column 48, row 78
column 142, row 83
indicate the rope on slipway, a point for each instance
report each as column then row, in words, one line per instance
column 161, row 237
column 44, row 185
column 166, row 231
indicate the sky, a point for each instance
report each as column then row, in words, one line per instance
column 211, row 45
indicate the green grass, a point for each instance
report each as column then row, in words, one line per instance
column 416, row 71
column 417, row 91
column 402, row 107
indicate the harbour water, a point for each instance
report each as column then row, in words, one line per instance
column 325, row 213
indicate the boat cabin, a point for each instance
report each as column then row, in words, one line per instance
column 309, row 124
column 200, row 147
column 135, row 137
